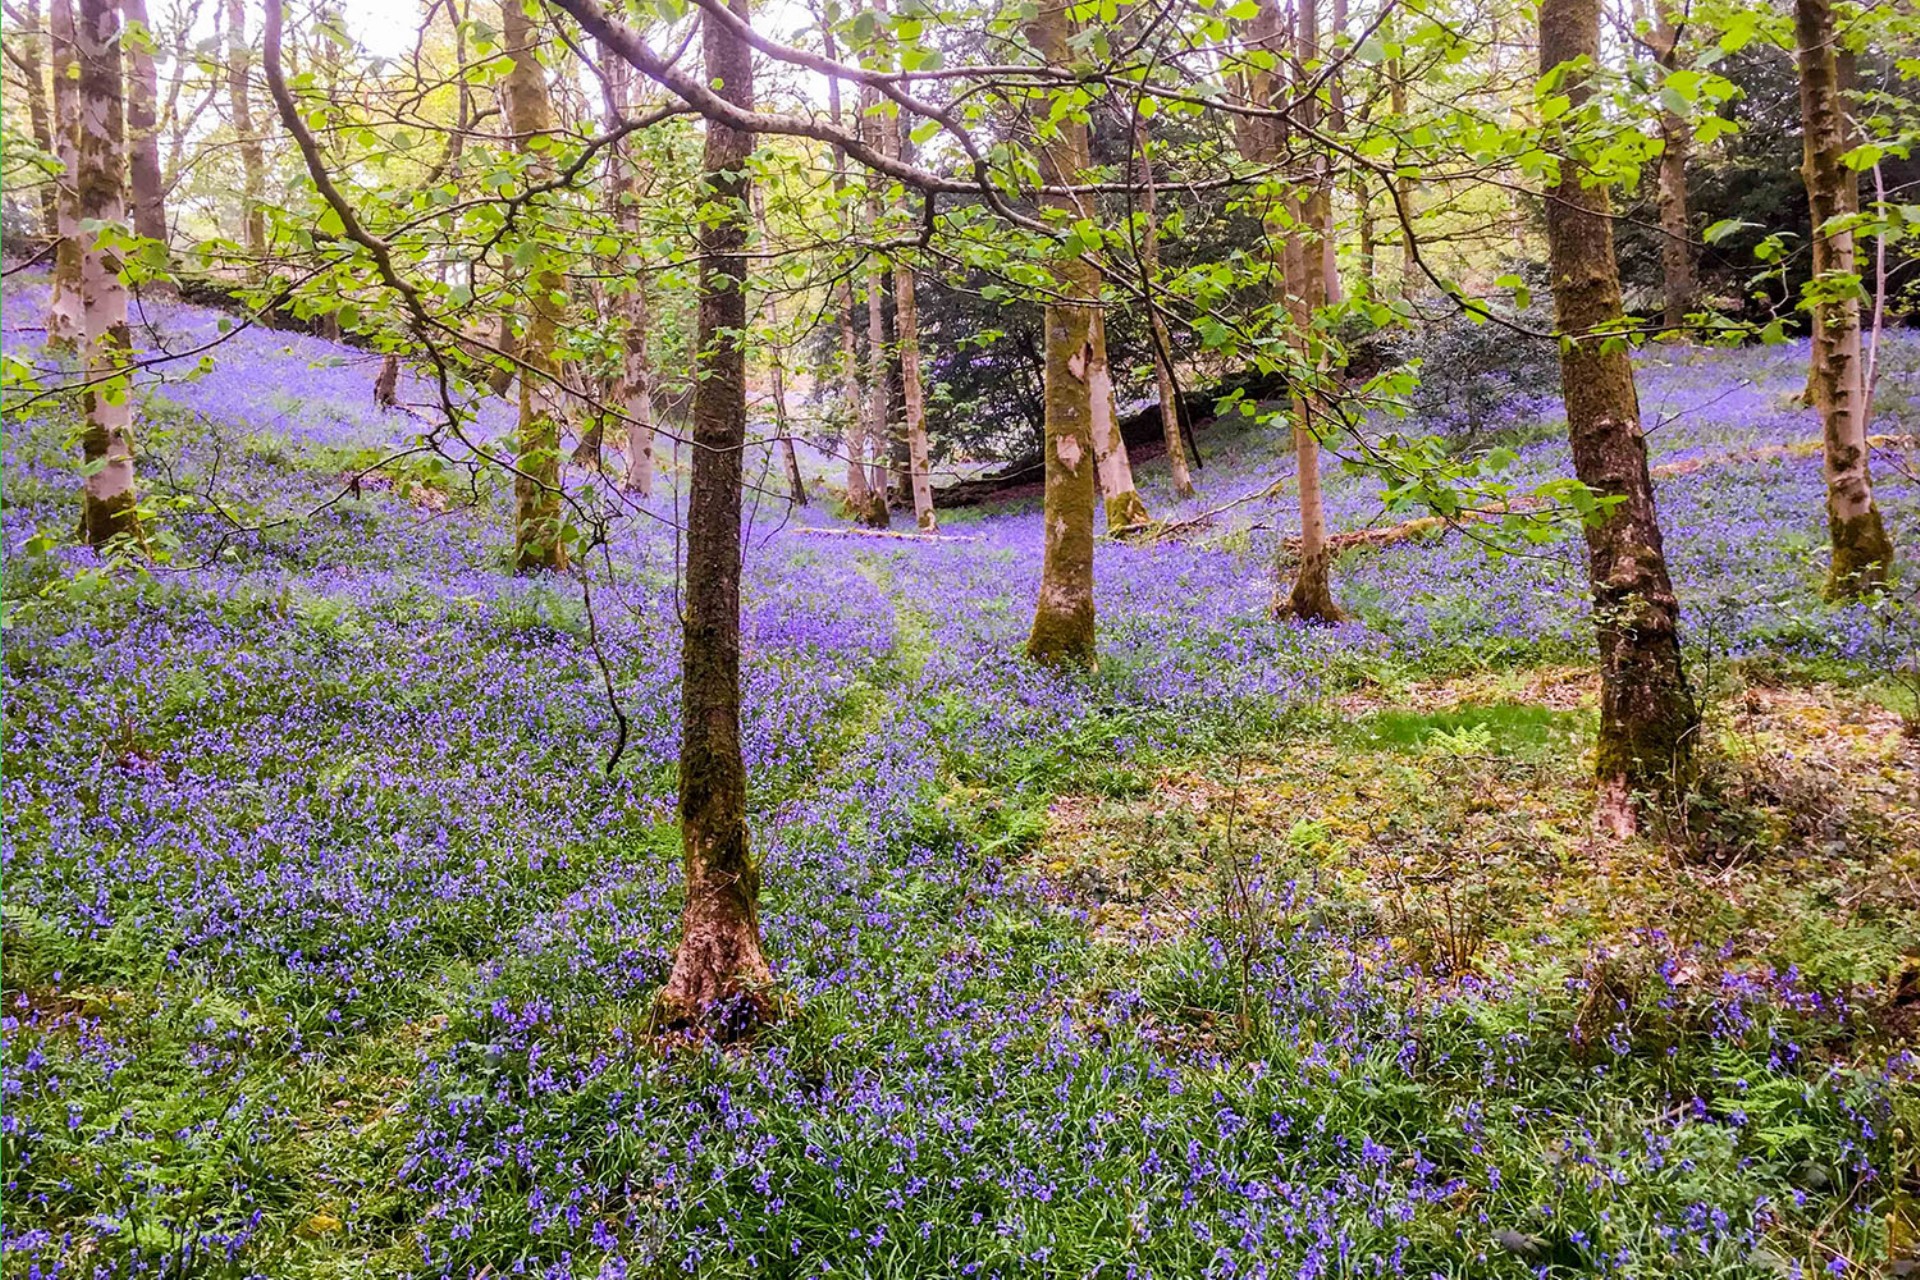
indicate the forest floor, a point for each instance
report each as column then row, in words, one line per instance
column 330, row 936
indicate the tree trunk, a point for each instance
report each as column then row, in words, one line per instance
column 719, row 962
column 34, row 73
column 1063, row 622
column 386, row 387
column 777, row 358
column 1162, row 346
column 143, row 135
column 1405, row 189
column 65, row 320
column 536, row 486
column 906, row 318
column 1309, row 289
column 253, row 160
column 1862, row 552
column 858, row 499
column 1676, row 141
column 879, row 391
column 633, row 389
column 1647, row 715
column 108, row 510
column 1125, row 508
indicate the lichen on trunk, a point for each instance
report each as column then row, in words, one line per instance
column 1648, row 719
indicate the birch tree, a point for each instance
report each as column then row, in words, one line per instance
column 64, row 309
column 109, row 503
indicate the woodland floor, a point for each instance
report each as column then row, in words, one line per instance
column 1264, row 951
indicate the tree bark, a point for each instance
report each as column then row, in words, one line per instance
column 719, row 972
column 143, row 135
column 1063, row 622
column 1648, row 720
column 386, row 386
column 536, row 486
column 858, row 499
column 253, row 160
column 906, row 319
column 109, row 502
column 1405, row 189
column 1125, row 508
column 1309, row 288
column 633, row 388
column 34, row 73
column 1676, row 145
column 1162, row 346
column 65, row 319
column 879, row 390
column 1862, row 552
column 777, row 358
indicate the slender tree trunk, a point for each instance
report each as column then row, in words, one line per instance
column 633, row 388
column 253, row 159
column 1676, row 142
column 1647, row 715
column 1162, row 346
column 906, row 307
column 879, row 390
column 783, row 426
column 777, row 358
column 108, row 508
column 64, row 311
column 143, row 136
column 34, row 73
column 1406, row 189
column 1862, row 552
column 1063, row 622
column 719, row 961
column 1309, row 289
column 858, row 499
column 1125, row 508
column 386, row 386
column 536, row 487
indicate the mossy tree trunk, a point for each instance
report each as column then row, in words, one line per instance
column 1862, row 552
column 1063, row 621
column 718, row 968
column 1648, row 719
column 64, row 309
column 108, row 508
column 536, row 484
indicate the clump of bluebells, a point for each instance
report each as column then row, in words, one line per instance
column 330, row 938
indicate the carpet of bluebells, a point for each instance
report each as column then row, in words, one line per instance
column 330, row 935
